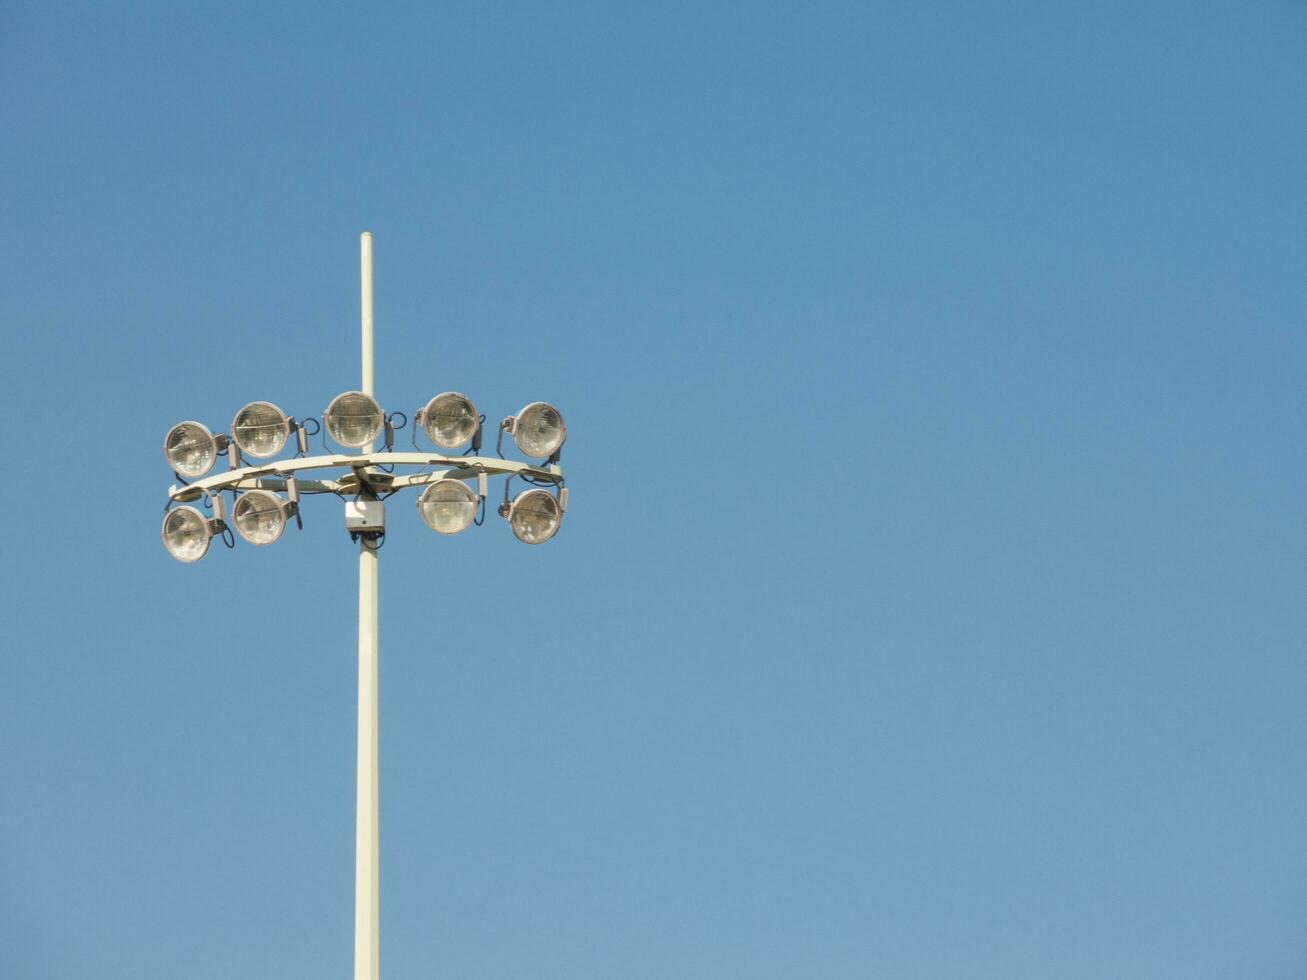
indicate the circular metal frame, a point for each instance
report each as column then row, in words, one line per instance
column 281, row 443
column 163, row 532
column 212, row 442
column 463, row 488
column 327, row 415
column 255, row 495
column 272, row 476
column 553, row 501
column 430, row 429
column 517, row 428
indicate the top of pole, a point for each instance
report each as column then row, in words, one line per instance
column 365, row 270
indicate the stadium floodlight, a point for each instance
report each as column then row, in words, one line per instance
column 191, row 449
column 354, row 419
column 538, row 430
column 534, row 516
column 187, row 533
column 257, row 496
column 260, row 516
column 448, row 506
column 261, row 429
column 450, row 419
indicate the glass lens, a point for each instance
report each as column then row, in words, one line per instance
column 186, row 534
column 448, row 506
column 538, row 430
column 260, row 429
column 259, row 517
column 190, row 449
column 535, row 516
column 450, row 419
column 353, row 419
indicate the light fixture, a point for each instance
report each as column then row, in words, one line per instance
column 535, row 516
column 448, row 506
column 450, row 420
column 191, row 449
column 358, row 468
column 187, row 533
column 353, row 419
column 260, row 516
column 538, row 430
column 261, row 429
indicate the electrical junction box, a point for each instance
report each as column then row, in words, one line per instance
column 365, row 516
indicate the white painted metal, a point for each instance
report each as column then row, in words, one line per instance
column 367, row 849
column 366, row 515
column 367, row 879
column 277, row 484
column 271, row 476
column 365, row 269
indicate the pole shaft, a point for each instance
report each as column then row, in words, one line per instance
column 367, row 850
column 365, row 263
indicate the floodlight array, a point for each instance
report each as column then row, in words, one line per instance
column 355, row 421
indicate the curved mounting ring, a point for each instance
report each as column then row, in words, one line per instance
column 272, row 475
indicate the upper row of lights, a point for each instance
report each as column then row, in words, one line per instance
column 354, row 420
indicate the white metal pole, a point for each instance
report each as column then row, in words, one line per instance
column 367, row 906
column 365, row 262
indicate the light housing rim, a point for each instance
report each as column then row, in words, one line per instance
column 213, row 440
column 517, row 428
column 285, row 430
column 448, row 480
column 282, row 508
column 163, row 533
column 381, row 419
column 426, row 419
column 554, row 501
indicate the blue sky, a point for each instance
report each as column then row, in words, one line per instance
column 931, row 599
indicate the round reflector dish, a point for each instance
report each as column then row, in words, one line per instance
column 450, row 419
column 190, row 449
column 448, row 506
column 259, row 516
column 535, row 516
column 353, row 419
column 539, row 430
column 186, row 534
column 260, row 429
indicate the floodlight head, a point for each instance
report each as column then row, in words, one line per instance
column 450, row 419
column 187, row 533
column 535, row 516
column 539, row 430
column 261, row 429
column 259, row 516
column 354, row 419
column 191, row 449
column 448, row 506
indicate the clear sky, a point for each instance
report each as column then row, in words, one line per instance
column 931, row 601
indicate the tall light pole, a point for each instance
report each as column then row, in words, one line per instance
column 367, row 833
column 363, row 480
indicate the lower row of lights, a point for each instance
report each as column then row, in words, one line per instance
column 447, row 506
